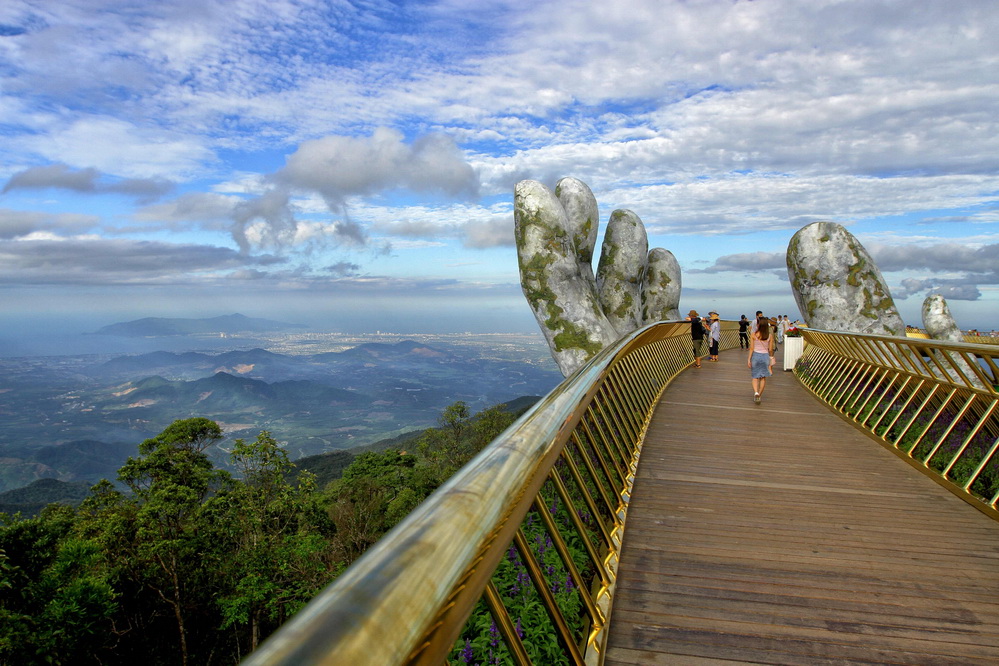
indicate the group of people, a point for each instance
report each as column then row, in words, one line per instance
column 778, row 324
column 760, row 336
column 704, row 331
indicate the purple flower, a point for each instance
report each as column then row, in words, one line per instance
column 493, row 636
column 519, row 630
column 569, row 585
column 467, row 654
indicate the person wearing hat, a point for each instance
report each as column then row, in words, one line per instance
column 696, row 336
column 714, row 336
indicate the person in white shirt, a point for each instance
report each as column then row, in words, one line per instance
column 714, row 337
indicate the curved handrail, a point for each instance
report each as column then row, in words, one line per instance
column 932, row 402
column 407, row 599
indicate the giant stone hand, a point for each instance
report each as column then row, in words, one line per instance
column 940, row 325
column 837, row 285
column 579, row 313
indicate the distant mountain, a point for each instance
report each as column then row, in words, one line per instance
column 79, row 418
column 329, row 466
column 391, row 353
column 87, row 458
column 225, row 394
column 228, row 325
column 152, row 360
column 31, row 499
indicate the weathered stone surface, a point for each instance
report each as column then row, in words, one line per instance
column 556, row 235
column 940, row 325
column 837, row 285
column 661, row 287
column 938, row 321
column 564, row 303
column 583, row 219
column 623, row 256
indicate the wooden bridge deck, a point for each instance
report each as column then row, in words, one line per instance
column 779, row 534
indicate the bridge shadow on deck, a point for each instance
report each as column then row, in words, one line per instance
column 779, row 534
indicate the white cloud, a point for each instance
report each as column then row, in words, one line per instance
column 16, row 224
column 337, row 166
column 708, row 119
column 121, row 148
column 96, row 261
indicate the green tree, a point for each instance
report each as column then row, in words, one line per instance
column 279, row 547
column 445, row 449
column 55, row 606
column 376, row 491
column 162, row 527
column 460, row 436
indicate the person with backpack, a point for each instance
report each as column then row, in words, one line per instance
column 743, row 333
column 696, row 336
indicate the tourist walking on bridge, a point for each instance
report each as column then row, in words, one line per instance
column 760, row 357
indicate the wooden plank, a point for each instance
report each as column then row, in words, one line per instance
column 779, row 533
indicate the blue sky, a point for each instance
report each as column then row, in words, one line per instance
column 351, row 164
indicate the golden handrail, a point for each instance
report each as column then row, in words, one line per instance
column 407, row 599
column 933, row 403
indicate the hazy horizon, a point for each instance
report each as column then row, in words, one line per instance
column 47, row 334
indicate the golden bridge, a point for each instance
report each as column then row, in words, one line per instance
column 647, row 512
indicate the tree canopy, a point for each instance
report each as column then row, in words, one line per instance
column 184, row 563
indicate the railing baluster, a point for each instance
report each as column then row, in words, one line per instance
column 971, row 436
column 950, row 428
column 905, row 392
column 506, row 628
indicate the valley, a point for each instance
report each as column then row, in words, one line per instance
column 77, row 418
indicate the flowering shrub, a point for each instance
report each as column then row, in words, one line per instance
column 792, row 332
column 480, row 642
column 942, row 442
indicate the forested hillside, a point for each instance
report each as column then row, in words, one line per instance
column 193, row 564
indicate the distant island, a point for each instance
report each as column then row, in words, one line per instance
column 227, row 324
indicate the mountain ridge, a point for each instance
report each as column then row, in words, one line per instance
column 167, row 326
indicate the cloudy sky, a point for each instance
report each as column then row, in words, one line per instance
column 351, row 163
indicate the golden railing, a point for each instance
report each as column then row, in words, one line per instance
column 533, row 522
column 931, row 402
column 974, row 338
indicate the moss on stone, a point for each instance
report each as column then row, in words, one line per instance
column 622, row 310
column 812, row 306
column 856, row 272
column 575, row 337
